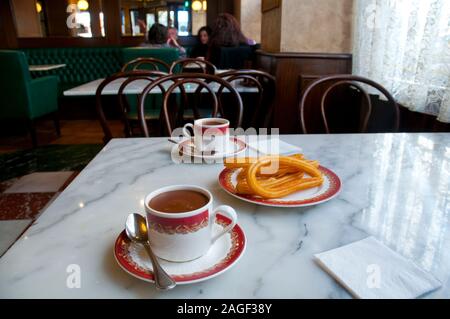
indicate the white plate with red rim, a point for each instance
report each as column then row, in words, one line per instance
column 223, row 255
column 330, row 188
column 236, row 147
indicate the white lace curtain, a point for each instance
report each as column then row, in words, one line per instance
column 405, row 46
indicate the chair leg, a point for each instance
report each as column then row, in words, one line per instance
column 56, row 122
column 32, row 129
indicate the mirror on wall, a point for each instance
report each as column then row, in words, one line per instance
column 59, row 18
column 138, row 16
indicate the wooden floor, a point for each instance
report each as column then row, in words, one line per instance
column 72, row 132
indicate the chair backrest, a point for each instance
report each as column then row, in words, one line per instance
column 331, row 84
column 231, row 57
column 14, row 80
column 198, row 83
column 141, row 63
column 149, row 75
column 262, row 102
column 168, row 55
column 204, row 66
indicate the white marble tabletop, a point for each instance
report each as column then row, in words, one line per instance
column 90, row 88
column 395, row 187
column 195, row 66
column 45, row 67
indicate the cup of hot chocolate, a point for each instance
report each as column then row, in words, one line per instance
column 180, row 222
column 210, row 135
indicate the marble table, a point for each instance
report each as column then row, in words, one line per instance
column 45, row 67
column 89, row 89
column 395, row 187
column 195, row 66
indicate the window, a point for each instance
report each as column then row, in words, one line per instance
column 404, row 45
column 162, row 17
column 183, row 23
column 134, row 22
column 172, row 19
column 150, row 19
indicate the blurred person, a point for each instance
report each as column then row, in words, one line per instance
column 227, row 33
column 158, row 37
column 200, row 50
column 172, row 41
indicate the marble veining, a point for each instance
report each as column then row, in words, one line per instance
column 395, row 187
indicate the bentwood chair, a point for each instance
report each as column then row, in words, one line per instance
column 124, row 106
column 204, row 66
column 146, row 64
column 260, row 105
column 23, row 98
column 355, row 109
column 128, row 102
column 196, row 85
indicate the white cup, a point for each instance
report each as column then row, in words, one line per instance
column 181, row 237
column 210, row 135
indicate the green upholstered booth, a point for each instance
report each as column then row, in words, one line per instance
column 82, row 64
column 232, row 57
column 88, row 64
column 167, row 55
column 23, row 98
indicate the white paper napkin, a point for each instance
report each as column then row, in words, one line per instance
column 370, row 270
column 267, row 145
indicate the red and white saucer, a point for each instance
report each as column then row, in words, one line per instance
column 223, row 255
column 330, row 189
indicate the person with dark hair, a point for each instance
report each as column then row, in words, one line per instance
column 227, row 32
column 158, row 37
column 200, row 50
column 227, row 36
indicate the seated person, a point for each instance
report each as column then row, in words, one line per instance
column 226, row 33
column 173, row 41
column 200, row 50
column 158, row 37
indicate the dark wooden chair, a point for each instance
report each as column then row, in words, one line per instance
column 262, row 102
column 129, row 110
column 129, row 77
column 173, row 111
column 151, row 63
column 343, row 86
column 202, row 66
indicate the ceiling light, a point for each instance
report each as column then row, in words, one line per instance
column 83, row 5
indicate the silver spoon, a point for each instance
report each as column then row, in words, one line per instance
column 193, row 149
column 136, row 229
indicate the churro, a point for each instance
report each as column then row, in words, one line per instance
column 289, row 176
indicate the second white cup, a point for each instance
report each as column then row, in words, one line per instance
column 210, row 135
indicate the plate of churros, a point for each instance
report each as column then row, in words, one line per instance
column 279, row 181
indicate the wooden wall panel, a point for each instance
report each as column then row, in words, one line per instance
column 216, row 7
column 8, row 34
column 268, row 5
column 111, row 9
column 293, row 72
